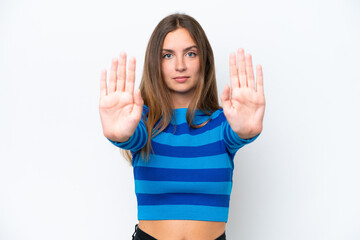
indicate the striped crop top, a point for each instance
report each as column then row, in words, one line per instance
column 189, row 173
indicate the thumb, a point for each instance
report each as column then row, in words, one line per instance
column 225, row 98
column 139, row 102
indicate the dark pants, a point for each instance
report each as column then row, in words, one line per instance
column 141, row 235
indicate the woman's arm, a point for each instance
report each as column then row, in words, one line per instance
column 136, row 142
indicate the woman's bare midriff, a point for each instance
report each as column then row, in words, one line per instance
column 182, row 229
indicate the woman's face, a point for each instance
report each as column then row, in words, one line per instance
column 180, row 66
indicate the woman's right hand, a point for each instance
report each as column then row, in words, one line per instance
column 120, row 108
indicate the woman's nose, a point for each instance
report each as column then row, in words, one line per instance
column 180, row 64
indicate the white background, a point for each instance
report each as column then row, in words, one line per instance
column 61, row 179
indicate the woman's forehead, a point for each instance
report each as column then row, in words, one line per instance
column 180, row 39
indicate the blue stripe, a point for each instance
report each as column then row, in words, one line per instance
column 228, row 138
column 217, row 113
column 156, row 187
column 217, row 200
column 183, row 175
column 184, row 139
column 233, row 141
column 200, row 117
column 136, row 141
column 211, row 149
column 218, row 161
column 145, row 110
column 179, row 116
column 185, row 129
column 141, row 137
column 233, row 137
column 183, row 212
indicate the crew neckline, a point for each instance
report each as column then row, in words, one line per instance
column 185, row 110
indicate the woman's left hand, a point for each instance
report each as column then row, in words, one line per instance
column 245, row 109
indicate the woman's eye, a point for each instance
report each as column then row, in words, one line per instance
column 168, row 55
column 191, row 54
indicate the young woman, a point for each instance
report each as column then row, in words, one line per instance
column 179, row 140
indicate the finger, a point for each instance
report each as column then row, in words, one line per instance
column 225, row 98
column 130, row 78
column 249, row 71
column 241, row 67
column 234, row 78
column 121, row 74
column 112, row 77
column 139, row 103
column 103, row 87
column 259, row 80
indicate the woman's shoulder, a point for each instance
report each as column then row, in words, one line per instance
column 145, row 109
column 217, row 113
column 216, row 116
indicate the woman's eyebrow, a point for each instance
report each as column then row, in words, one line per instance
column 186, row 49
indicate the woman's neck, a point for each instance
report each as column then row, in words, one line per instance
column 181, row 100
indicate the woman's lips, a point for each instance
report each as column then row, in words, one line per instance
column 181, row 79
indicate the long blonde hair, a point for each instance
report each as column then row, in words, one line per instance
column 153, row 89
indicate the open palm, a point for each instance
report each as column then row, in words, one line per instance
column 245, row 109
column 120, row 109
